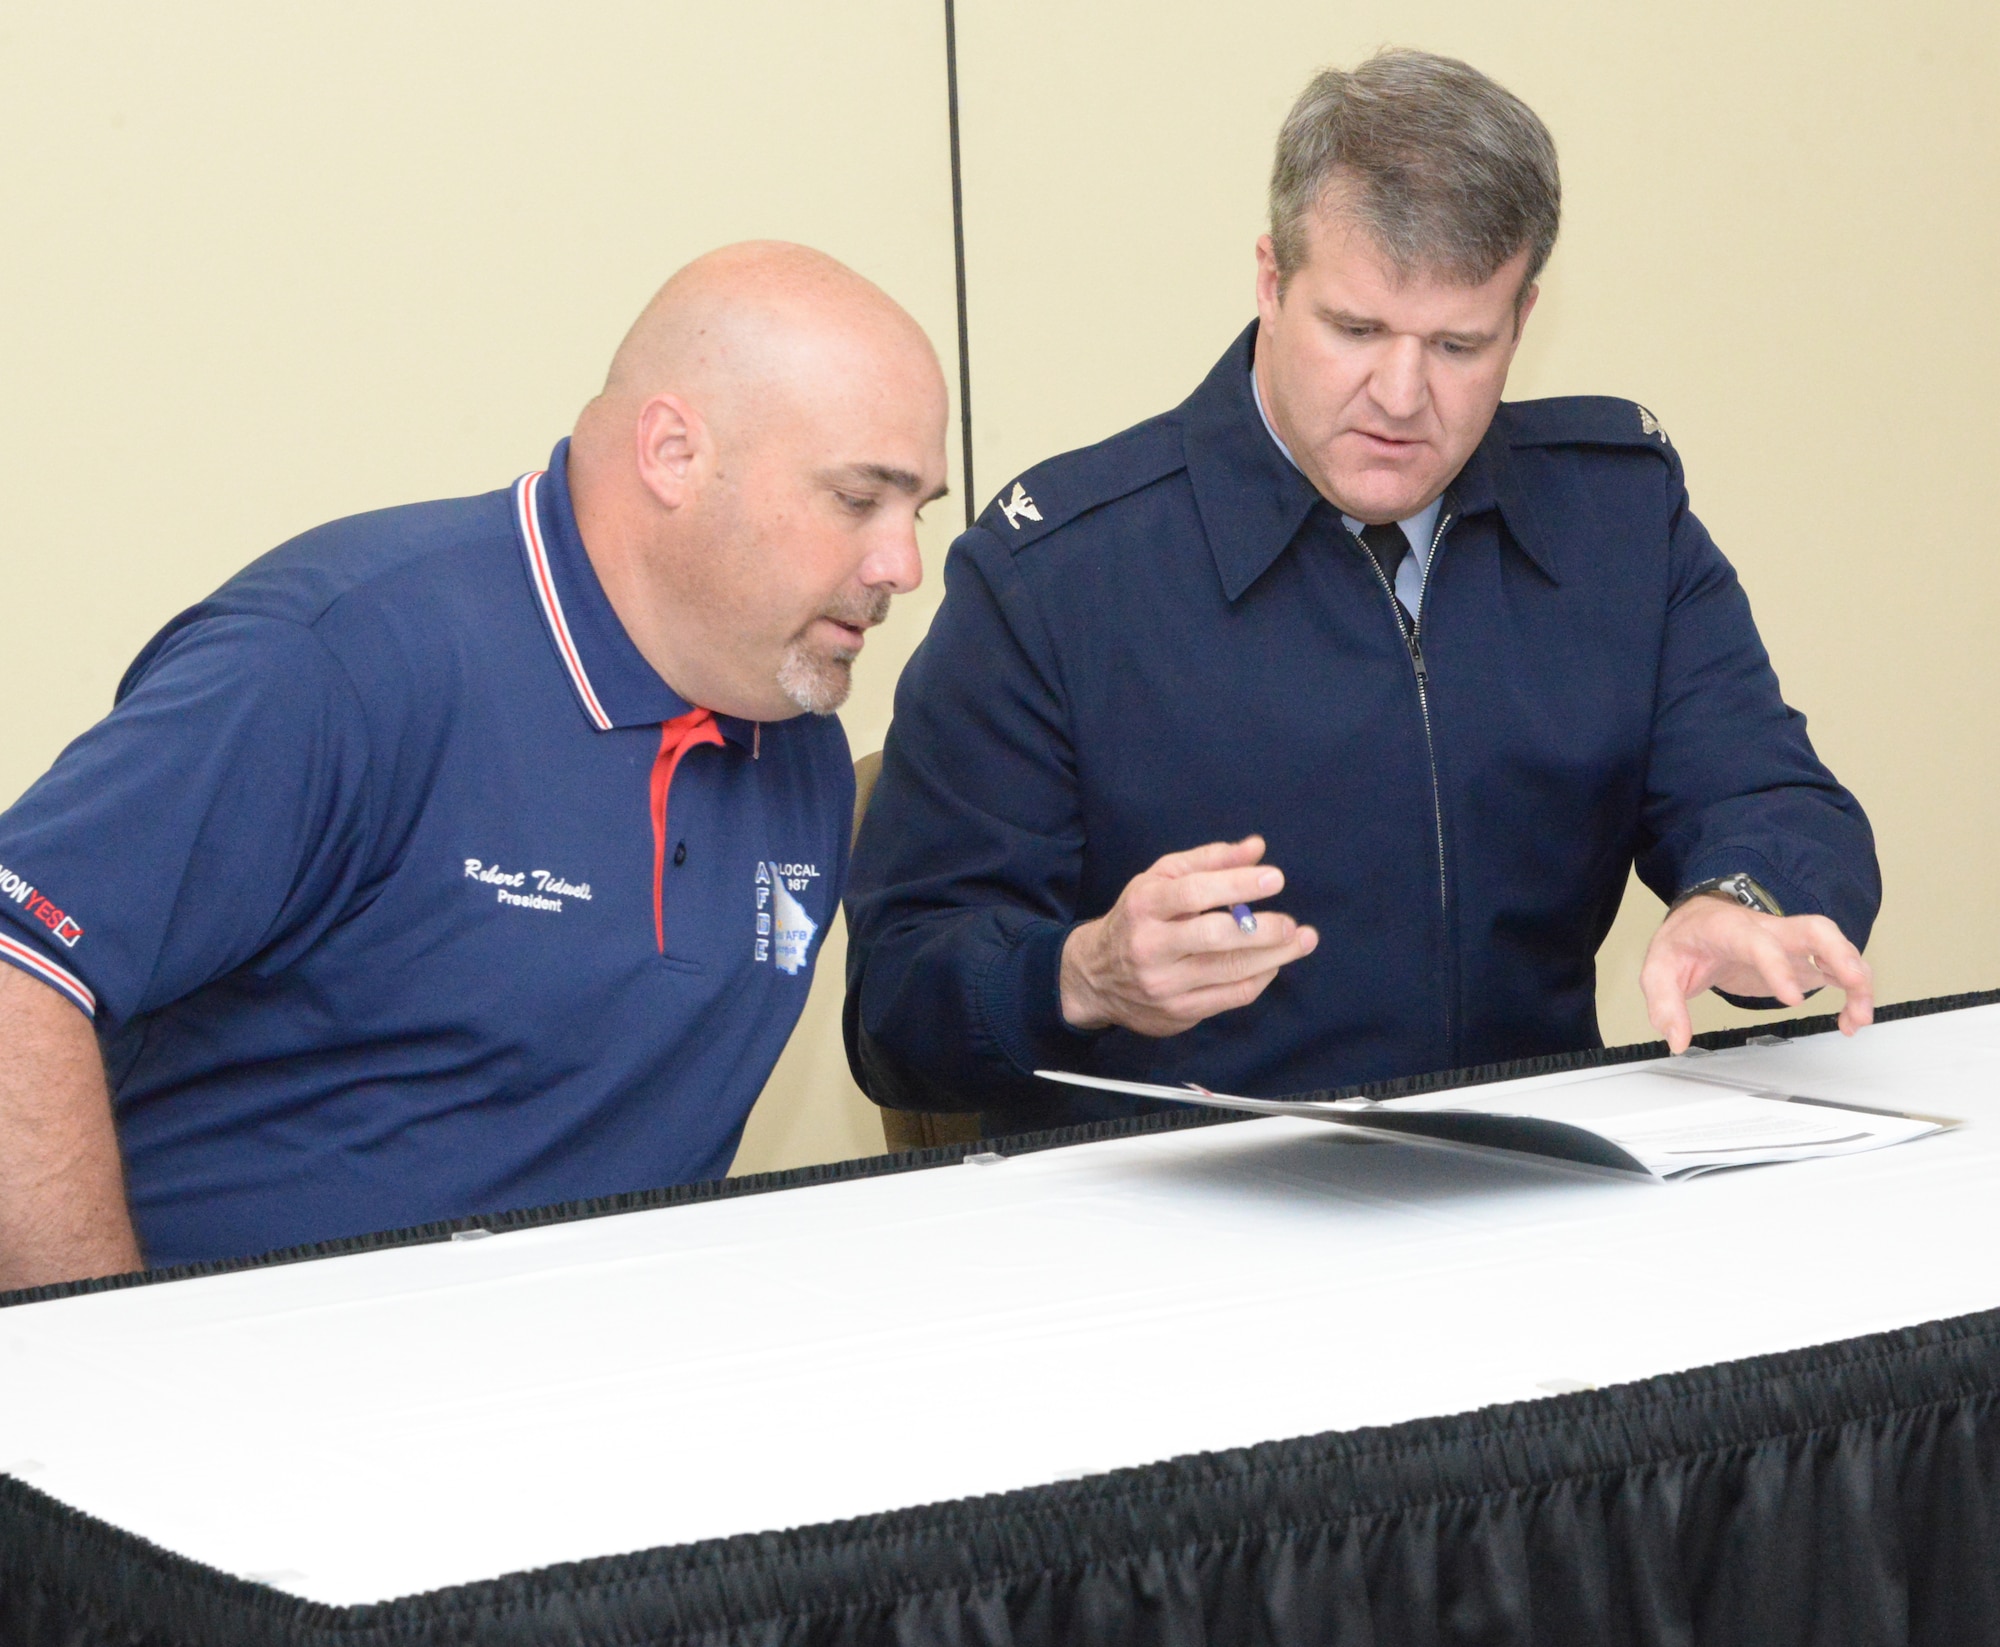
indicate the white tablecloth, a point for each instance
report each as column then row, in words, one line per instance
column 363, row 1427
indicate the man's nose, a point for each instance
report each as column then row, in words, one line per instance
column 897, row 564
column 1398, row 385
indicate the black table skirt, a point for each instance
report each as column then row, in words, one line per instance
column 1847, row 1494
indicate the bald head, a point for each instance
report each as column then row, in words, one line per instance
column 770, row 415
column 747, row 328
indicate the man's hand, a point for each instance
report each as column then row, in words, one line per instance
column 62, row 1188
column 1713, row 942
column 1170, row 954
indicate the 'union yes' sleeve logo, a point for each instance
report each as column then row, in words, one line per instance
column 16, row 889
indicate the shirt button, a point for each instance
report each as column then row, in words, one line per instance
column 680, row 854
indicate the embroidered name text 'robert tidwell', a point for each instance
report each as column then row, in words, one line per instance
column 510, row 886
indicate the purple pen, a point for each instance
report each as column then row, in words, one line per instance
column 1244, row 919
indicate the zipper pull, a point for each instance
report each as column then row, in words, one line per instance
column 1417, row 658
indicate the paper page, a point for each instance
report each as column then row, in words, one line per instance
column 1669, row 1125
column 1742, row 1131
column 1679, row 1125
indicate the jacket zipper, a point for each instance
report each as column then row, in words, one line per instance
column 1410, row 629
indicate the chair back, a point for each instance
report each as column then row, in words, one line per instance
column 908, row 1128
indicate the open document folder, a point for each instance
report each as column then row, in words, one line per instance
column 1663, row 1123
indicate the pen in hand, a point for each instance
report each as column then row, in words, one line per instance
column 1244, row 919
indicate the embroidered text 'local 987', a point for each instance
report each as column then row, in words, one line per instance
column 784, row 929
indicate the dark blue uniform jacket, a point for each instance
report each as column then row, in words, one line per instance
column 1169, row 638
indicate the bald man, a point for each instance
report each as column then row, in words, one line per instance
column 473, row 855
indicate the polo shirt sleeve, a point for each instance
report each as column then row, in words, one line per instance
column 1733, row 782
column 964, row 880
column 214, row 820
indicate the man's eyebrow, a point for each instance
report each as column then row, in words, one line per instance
column 1342, row 317
column 885, row 474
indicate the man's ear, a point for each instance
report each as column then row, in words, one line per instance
column 1524, row 308
column 1268, row 295
column 675, row 451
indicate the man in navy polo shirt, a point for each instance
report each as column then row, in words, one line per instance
column 474, row 854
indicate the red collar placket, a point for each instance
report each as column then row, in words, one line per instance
column 677, row 737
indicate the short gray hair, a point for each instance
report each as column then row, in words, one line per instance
column 1449, row 173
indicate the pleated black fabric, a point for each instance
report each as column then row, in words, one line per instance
column 1843, row 1496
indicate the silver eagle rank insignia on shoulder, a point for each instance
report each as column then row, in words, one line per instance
column 1649, row 424
column 1019, row 507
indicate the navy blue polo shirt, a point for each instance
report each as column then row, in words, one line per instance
column 392, row 900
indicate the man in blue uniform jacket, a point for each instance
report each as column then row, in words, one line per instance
column 1343, row 625
column 471, row 855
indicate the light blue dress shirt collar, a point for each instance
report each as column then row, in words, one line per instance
column 1420, row 528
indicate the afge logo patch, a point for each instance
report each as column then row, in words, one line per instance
column 784, row 929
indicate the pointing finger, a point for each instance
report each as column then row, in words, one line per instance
column 1667, row 1012
column 1666, row 1002
column 1776, row 968
column 1857, row 1012
column 1840, row 961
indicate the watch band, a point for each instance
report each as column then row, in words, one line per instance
column 1738, row 886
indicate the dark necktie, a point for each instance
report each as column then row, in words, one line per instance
column 1388, row 545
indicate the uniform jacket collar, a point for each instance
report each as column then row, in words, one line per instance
column 1252, row 501
column 1493, row 479
column 614, row 684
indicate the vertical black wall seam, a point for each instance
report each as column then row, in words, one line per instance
column 958, row 259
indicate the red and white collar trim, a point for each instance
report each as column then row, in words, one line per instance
column 527, row 516
column 527, row 494
column 56, row 977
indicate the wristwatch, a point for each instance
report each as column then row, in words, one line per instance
column 1738, row 886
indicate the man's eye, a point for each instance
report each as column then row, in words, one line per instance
column 854, row 505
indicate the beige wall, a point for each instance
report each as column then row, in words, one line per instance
column 267, row 265
column 1779, row 234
